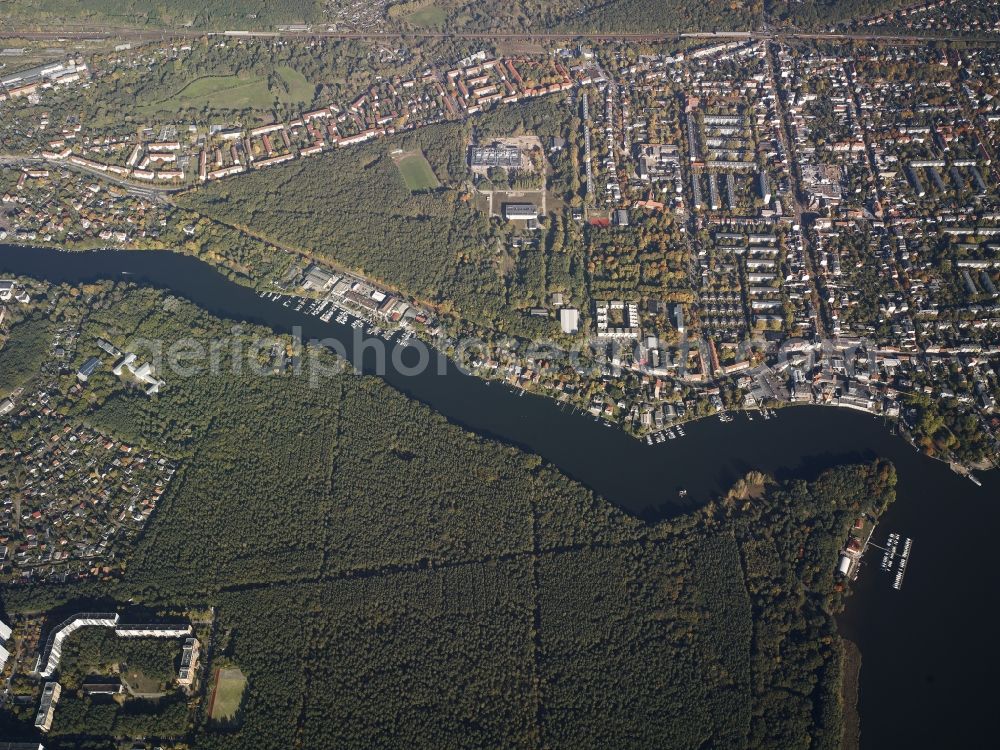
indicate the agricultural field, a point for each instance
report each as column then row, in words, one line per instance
column 227, row 694
column 416, row 171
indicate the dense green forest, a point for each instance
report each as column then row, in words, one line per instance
column 383, row 577
column 633, row 16
column 215, row 14
column 26, row 347
column 824, row 14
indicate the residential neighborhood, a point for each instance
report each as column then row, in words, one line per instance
column 809, row 207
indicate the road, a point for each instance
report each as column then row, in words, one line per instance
column 150, row 192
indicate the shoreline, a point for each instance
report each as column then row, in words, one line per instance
column 441, row 347
column 850, row 692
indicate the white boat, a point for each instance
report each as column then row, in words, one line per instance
column 649, row 439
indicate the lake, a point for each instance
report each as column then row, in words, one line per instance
column 928, row 669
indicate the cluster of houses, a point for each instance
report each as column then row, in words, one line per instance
column 765, row 274
column 83, row 496
column 392, row 105
column 11, row 290
column 30, row 83
column 51, row 205
column 967, row 16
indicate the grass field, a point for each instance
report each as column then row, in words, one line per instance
column 429, row 16
column 232, row 92
column 140, row 684
column 227, row 694
column 416, row 171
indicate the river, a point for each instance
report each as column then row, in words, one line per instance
column 928, row 670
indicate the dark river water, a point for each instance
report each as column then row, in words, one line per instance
column 929, row 671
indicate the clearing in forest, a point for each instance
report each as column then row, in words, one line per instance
column 227, row 694
column 416, row 171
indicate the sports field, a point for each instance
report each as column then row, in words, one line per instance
column 227, row 694
column 416, row 171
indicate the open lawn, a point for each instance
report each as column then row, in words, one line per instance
column 142, row 685
column 429, row 16
column 416, row 171
column 299, row 89
column 227, row 694
column 232, row 92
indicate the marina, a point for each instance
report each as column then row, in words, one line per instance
column 895, row 557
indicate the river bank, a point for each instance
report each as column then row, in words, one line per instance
column 851, row 694
column 928, row 669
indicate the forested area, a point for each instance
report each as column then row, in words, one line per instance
column 825, row 14
column 353, row 208
column 216, row 14
column 457, row 15
column 99, row 651
column 648, row 259
column 79, row 718
column 616, row 16
column 382, row 576
column 23, row 352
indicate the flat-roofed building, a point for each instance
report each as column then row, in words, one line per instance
column 88, row 369
column 496, row 155
column 569, row 320
column 48, row 659
column 152, row 630
column 189, row 662
column 520, row 211
column 102, row 686
column 47, row 708
column 319, row 278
